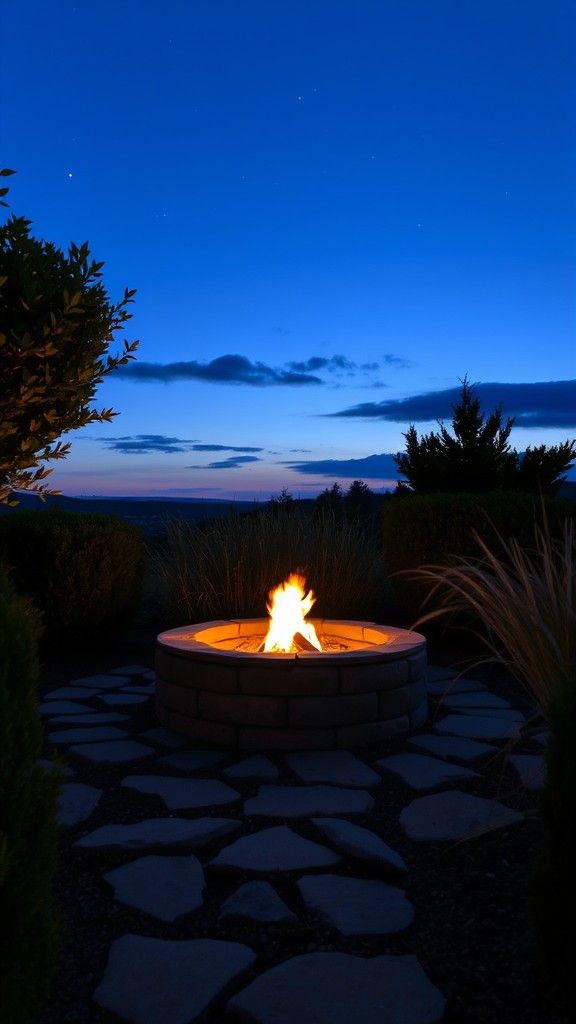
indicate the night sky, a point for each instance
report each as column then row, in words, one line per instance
column 332, row 212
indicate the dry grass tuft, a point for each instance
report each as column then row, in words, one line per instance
column 524, row 598
column 226, row 568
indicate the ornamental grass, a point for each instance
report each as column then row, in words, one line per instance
column 227, row 567
column 521, row 602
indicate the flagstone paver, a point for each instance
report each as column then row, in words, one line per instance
column 163, row 737
column 452, row 815
column 359, row 843
column 509, row 714
column 459, row 748
column 438, row 687
column 531, row 769
column 474, row 700
column 180, row 794
column 477, row 727
column 421, row 772
column 61, row 707
column 72, row 693
column 113, row 751
column 161, row 981
column 288, row 876
column 166, row 887
column 77, row 802
column 102, row 682
column 259, row 768
column 301, row 801
column 271, row 850
column 337, row 767
column 355, row 906
column 338, row 988
column 87, row 734
column 258, row 901
column 123, row 698
column 89, row 718
column 192, row 760
column 157, row 833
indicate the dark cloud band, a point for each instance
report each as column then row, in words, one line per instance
column 229, row 369
column 542, row 404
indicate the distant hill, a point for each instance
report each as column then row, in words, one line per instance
column 149, row 514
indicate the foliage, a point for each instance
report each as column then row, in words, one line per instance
column 56, row 326
column 524, row 599
column 423, row 529
column 358, row 500
column 227, row 567
column 82, row 570
column 477, row 456
column 555, row 880
column 29, row 935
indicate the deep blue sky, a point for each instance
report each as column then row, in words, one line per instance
column 332, row 211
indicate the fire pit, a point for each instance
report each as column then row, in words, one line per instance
column 289, row 683
column 215, row 684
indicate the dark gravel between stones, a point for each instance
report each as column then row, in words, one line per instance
column 472, row 931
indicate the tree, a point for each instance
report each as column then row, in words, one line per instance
column 477, row 455
column 330, row 500
column 56, row 325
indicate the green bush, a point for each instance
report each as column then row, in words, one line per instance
column 29, row 935
column 555, row 882
column 427, row 529
column 82, row 570
column 226, row 568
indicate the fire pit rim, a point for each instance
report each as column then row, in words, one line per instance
column 403, row 641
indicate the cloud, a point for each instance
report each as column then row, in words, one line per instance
column 222, row 448
column 373, row 467
column 143, row 444
column 399, row 361
column 333, row 364
column 541, row 404
column 229, row 369
column 234, row 462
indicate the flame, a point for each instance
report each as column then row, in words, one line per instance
column 288, row 604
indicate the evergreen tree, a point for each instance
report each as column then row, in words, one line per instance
column 477, row 455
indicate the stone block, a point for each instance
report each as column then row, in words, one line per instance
column 336, row 710
column 380, row 675
column 177, row 698
column 203, row 675
column 241, row 709
column 419, row 716
column 296, row 680
column 393, row 703
column 417, row 665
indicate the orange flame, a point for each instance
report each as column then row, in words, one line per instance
column 288, row 604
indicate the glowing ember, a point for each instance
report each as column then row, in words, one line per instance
column 289, row 603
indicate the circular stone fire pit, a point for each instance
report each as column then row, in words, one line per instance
column 213, row 684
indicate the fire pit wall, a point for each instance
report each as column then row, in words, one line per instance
column 372, row 690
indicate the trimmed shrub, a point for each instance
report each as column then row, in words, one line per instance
column 227, row 567
column 423, row 530
column 29, row 935
column 83, row 571
column 555, row 880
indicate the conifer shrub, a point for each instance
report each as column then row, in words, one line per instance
column 83, row 571
column 427, row 529
column 29, row 933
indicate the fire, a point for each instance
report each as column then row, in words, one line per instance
column 288, row 604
